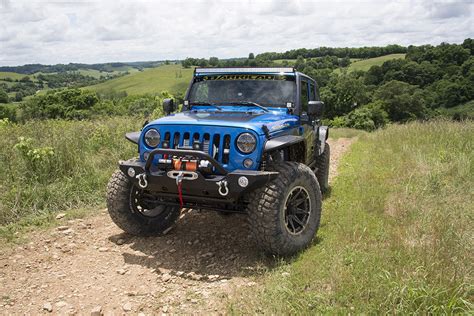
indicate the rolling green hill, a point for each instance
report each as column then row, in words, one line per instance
column 365, row 64
column 356, row 63
column 97, row 73
column 12, row 75
column 172, row 78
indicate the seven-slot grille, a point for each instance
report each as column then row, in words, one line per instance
column 216, row 145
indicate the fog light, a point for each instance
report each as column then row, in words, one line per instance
column 243, row 182
column 131, row 172
column 248, row 163
column 165, row 144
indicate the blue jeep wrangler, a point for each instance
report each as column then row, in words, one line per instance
column 247, row 140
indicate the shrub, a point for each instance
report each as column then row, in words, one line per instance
column 8, row 111
column 338, row 121
column 368, row 118
column 68, row 104
column 38, row 161
column 360, row 119
column 402, row 101
column 3, row 96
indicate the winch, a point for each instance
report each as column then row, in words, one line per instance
column 185, row 164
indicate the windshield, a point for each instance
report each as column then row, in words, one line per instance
column 265, row 90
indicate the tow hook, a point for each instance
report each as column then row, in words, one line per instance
column 179, row 178
column 223, row 189
column 142, row 182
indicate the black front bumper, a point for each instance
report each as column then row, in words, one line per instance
column 207, row 189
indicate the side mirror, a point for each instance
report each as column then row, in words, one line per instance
column 315, row 108
column 168, row 106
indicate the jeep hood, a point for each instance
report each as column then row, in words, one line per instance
column 275, row 120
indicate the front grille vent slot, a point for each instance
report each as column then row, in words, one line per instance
column 226, row 150
column 218, row 146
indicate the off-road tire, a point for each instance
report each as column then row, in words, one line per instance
column 322, row 168
column 119, row 205
column 266, row 210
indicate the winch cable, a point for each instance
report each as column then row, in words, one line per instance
column 179, row 183
column 180, row 194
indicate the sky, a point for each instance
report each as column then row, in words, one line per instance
column 93, row 31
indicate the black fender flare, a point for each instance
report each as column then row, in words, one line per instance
column 282, row 142
column 134, row 137
column 322, row 137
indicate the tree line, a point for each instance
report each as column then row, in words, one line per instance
column 104, row 67
column 429, row 79
column 419, row 87
column 28, row 86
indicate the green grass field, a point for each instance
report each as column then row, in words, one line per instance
column 172, row 78
column 365, row 64
column 97, row 74
column 12, row 75
column 290, row 62
column 396, row 234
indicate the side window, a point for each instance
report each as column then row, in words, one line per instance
column 304, row 96
column 312, row 92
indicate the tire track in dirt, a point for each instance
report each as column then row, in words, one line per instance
column 89, row 266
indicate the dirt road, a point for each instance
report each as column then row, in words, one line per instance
column 88, row 266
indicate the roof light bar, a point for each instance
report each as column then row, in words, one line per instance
column 244, row 70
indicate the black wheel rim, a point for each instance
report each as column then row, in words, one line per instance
column 297, row 210
column 144, row 203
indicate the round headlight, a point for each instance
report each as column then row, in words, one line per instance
column 152, row 137
column 246, row 143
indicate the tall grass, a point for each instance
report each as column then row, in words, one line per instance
column 344, row 132
column 59, row 165
column 397, row 231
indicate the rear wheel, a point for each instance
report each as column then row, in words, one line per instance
column 284, row 215
column 137, row 211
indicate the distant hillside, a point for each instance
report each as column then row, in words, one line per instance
column 105, row 67
column 172, row 78
column 365, row 64
column 356, row 63
column 12, row 75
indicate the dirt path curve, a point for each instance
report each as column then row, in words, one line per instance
column 90, row 267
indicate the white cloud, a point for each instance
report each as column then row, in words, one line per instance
column 63, row 31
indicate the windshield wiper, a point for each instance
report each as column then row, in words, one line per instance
column 207, row 104
column 249, row 103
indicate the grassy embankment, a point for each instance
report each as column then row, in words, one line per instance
column 58, row 166
column 171, row 78
column 396, row 233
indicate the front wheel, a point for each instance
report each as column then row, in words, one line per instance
column 137, row 211
column 284, row 215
